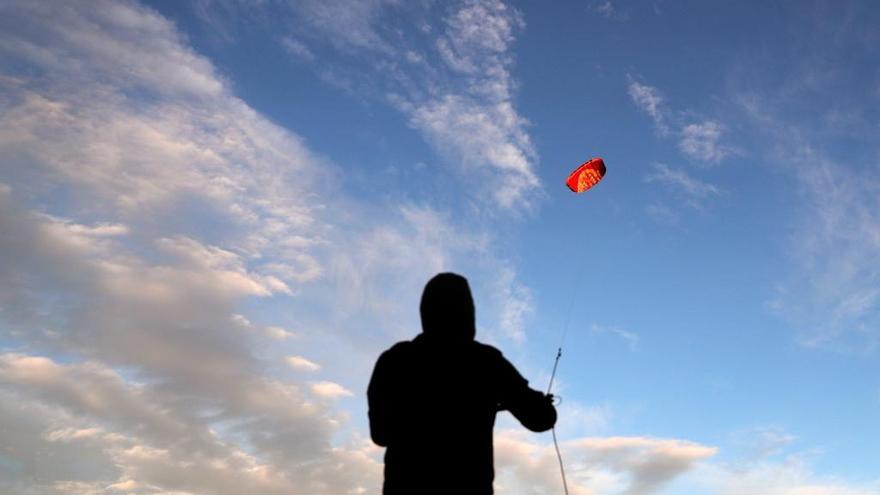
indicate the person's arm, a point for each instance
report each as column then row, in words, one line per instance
column 377, row 401
column 532, row 408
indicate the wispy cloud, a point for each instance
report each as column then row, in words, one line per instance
column 769, row 469
column 758, row 444
column 516, row 305
column 649, row 100
column 475, row 121
column 663, row 214
column 302, row 364
column 632, row 339
column 349, row 24
column 453, row 83
column 693, row 191
column 836, row 296
column 297, row 48
column 832, row 296
column 698, row 141
column 605, row 8
column 330, row 390
column 701, row 141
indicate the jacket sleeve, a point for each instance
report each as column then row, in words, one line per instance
column 377, row 401
column 532, row 408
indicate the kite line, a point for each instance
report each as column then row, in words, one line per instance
column 580, row 180
column 553, row 375
column 553, row 429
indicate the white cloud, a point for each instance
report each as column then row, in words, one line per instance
column 116, row 126
column 700, row 141
column 649, row 462
column 144, row 53
column 100, row 230
column 226, row 266
column 168, row 328
column 278, row 333
column 69, row 434
column 302, row 364
column 609, row 465
column 485, row 137
column 478, row 36
column 470, row 116
column 330, row 390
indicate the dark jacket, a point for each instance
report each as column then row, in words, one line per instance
column 432, row 403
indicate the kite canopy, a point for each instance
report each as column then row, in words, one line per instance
column 586, row 176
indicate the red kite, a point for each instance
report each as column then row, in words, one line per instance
column 586, row 176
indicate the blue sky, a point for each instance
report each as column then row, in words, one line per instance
column 216, row 214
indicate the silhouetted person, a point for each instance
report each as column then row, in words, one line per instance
column 433, row 400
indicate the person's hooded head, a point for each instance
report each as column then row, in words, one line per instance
column 447, row 309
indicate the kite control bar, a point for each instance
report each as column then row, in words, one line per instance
column 553, row 375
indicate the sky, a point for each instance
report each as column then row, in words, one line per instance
column 214, row 215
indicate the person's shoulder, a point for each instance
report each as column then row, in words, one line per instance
column 397, row 350
column 401, row 346
column 487, row 350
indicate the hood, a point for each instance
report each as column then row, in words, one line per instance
column 447, row 309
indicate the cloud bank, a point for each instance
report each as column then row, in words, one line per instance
column 142, row 206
